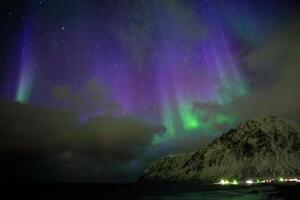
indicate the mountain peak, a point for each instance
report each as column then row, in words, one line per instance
column 265, row 146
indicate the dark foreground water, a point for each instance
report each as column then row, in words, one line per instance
column 147, row 192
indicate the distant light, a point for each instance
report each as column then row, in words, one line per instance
column 293, row 180
column 260, row 181
column 250, row 182
column 281, row 179
column 222, row 182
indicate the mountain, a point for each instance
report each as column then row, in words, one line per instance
column 261, row 147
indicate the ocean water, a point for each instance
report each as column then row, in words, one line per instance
column 70, row 191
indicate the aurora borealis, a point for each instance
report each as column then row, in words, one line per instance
column 194, row 67
column 152, row 69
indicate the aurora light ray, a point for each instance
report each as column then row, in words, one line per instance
column 155, row 60
column 217, row 64
column 25, row 82
column 115, row 84
column 183, row 70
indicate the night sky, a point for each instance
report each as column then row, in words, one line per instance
column 100, row 88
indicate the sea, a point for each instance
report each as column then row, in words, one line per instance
column 134, row 191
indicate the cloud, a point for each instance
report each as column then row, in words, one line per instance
column 121, row 137
column 213, row 117
column 36, row 143
column 91, row 99
column 274, row 69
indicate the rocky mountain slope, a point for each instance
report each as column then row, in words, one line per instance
column 261, row 147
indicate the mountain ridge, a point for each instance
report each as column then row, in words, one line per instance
column 265, row 146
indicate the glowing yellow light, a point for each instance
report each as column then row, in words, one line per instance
column 222, row 182
column 234, row 182
column 281, row 179
column 249, row 181
column 293, row 180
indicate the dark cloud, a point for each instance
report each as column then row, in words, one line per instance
column 217, row 117
column 38, row 144
column 184, row 144
column 90, row 99
column 121, row 137
column 274, row 69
